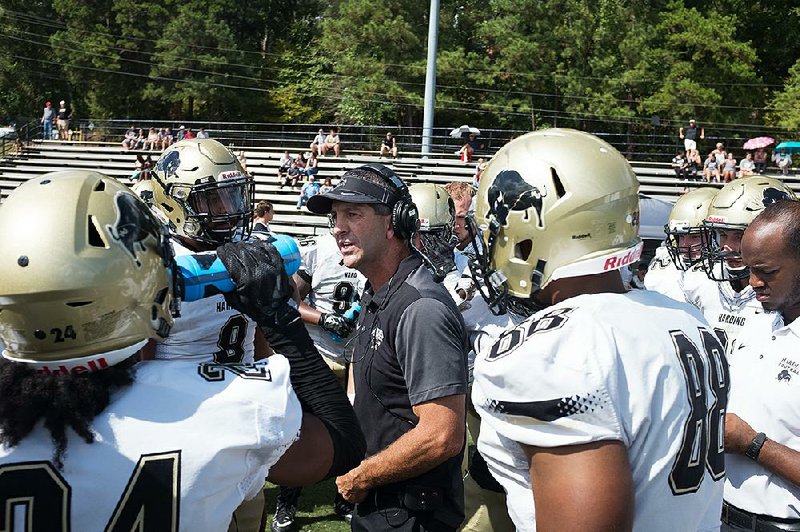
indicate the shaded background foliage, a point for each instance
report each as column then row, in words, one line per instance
column 501, row 63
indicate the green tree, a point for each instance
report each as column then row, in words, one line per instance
column 784, row 109
column 702, row 69
column 28, row 76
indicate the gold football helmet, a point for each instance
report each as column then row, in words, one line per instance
column 685, row 227
column 730, row 213
column 437, row 217
column 553, row 204
column 85, row 271
column 201, row 189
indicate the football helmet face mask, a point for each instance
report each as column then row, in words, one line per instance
column 85, row 275
column 201, row 189
column 730, row 213
column 436, row 225
column 684, row 229
column 553, row 204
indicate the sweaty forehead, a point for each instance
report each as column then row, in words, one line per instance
column 764, row 240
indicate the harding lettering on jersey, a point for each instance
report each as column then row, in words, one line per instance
column 732, row 319
column 223, row 306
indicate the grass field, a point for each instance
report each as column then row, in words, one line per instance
column 315, row 512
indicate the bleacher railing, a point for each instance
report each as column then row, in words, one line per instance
column 642, row 141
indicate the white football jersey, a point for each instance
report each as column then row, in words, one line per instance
column 639, row 368
column 177, row 450
column 208, row 330
column 334, row 288
column 725, row 309
column 765, row 384
column 663, row 277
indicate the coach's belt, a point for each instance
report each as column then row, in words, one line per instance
column 731, row 515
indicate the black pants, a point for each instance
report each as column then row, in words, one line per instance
column 386, row 512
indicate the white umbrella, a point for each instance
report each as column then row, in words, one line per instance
column 460, row 131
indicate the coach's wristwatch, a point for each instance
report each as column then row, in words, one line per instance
column 754, row 449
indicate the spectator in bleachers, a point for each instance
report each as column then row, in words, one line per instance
column 389, row 145
column 309, row 190
column 469, row 148
column 301, row 162
column 747, row 165
column 332, row 143
column 152, row 141
column 719, row 154
column 783, row 160
column 327, row 186
column 63, row 116
column 711, row 168
column 729, row 168
column 760, row 158
column 188, row 135
column 166, row 139
column 690, row 134
column 311, row 165
column 680, row 165
column 141, row 140
column 316, row 144
column 284, row 163
column 202, row 133
column 292, row 176
column 47, row 121
column 181, row 133
column 262, row 216
column 129, row 141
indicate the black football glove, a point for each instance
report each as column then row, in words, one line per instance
column 336, row 324
column 263, row 290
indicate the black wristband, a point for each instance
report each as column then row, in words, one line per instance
column 754, row 449
column 320, row 393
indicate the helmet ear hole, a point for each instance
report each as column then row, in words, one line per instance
column 559, row 186
column 523, row 248
column 95, row 237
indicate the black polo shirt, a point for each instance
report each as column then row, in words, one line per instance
column 410, row 347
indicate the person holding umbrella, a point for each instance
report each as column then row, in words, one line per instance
column 760, row 156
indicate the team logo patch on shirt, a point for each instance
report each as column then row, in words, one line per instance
column 788, row 369
column 376, row 338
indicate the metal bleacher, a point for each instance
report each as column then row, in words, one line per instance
column 656, row 179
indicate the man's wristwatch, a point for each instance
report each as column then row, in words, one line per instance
column 754, row 449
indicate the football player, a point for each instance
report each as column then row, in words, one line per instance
column 600, row 411
column 730, row 301
column 682, row 248
column 201, row 191
column 93, row 440
column 436, row 239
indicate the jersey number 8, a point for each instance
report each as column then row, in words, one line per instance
column 703, row 446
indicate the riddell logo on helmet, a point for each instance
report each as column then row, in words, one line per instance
column 89, row 367
column 717, row 219
column 229, row 175
column 618, row 261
